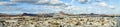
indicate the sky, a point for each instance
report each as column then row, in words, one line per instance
column 54, row 6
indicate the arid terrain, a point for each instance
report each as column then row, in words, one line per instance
column 59, row 21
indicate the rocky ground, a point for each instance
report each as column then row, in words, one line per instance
column 60, row 22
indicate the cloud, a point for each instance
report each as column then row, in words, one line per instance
column 11, row 8
column 43, row 2
column 101, row 4
column 72, row 8
column 63, row 8
column 56, row 2
column 24, row 1
column 51, row 2
column 55, row 7
column 72, row 1
column 40, row 2
column 99, row 0
column 105, row 5
column 3, row 0
column 112, row 7
column 6, row 3
column 84, row 1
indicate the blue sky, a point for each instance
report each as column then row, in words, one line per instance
column 75, row 7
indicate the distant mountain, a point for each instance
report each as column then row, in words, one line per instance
column 4, row 15
column 47, row 15
column 52, row 14
column 26, row 14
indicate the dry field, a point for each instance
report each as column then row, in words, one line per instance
column 60, row 22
